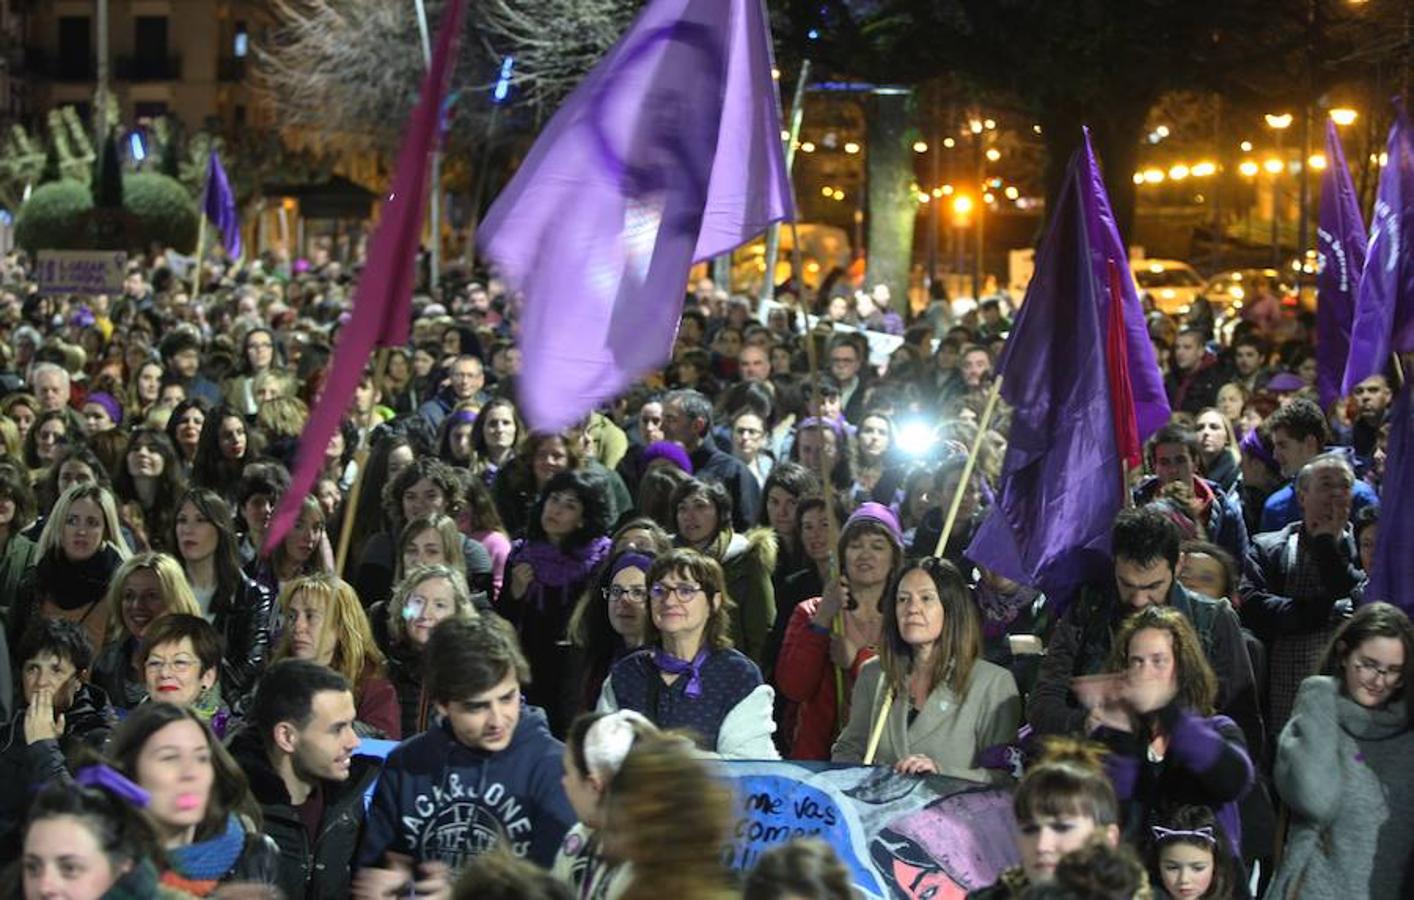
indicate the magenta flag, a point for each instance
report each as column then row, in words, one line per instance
column 383, row 299
column 1340, row 237
column 668, row 153
column 1384, row 302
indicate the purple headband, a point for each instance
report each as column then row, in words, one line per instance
column 463, row 417
column 673, row 453
column 109, row 403
column 630, row 559
column 1252, row 444
column 817, row 422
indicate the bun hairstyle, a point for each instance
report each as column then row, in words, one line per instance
column 1068, row 780
column 599, row 742
column 1097, row 871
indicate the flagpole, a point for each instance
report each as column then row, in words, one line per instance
column 200, row 249
column 773, row 234
column 361, row 459
column 877, row 732
column 966, row 479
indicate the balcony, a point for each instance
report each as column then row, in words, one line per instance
column 231, row 68
column 40, row 63
column 147, row 68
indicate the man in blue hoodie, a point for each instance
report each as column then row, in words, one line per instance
column 488, row 776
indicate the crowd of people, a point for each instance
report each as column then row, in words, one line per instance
column 749, row 555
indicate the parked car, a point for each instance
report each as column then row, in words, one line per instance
column 1171, row 284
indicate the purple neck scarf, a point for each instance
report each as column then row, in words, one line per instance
column 666, row 662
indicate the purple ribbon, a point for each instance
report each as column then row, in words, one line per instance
column 674, row 666
column 113, row 781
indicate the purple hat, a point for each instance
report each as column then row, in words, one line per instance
column 630, row 559
column 1285, row 383
column 1253, row 445
column 877, row 513
column 673, row 453
column 109, row 403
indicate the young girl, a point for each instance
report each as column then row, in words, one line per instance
column 596, row 747
column 1189, row 855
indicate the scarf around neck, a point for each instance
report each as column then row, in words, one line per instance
column 72, row 585
column 557, row 568
column 198, row 867
column 670, row 664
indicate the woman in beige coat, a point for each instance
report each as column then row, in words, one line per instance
column 945, row 704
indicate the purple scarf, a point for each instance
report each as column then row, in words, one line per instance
column 666, row 662
column 556, row 568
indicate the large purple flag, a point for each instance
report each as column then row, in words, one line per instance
column 1151, row 402
column 1060, row 486
column 383, row 299
column 1392, row 574
column 1384, row 305
column 668, row 153
column 1341, row 239
column 219, row 205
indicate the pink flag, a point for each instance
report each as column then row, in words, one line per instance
column 668, row 152
column 382, row 301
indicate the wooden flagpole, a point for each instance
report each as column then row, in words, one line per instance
column 877, row 732
column 361, row 458
column 992, row 395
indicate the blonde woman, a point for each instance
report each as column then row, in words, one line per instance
column 79, row 550
column 324, row 622
column 145, row 588
column 428, row 596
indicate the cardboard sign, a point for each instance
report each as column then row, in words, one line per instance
column 81, row 271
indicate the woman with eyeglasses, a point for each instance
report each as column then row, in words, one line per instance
column 180, row 660
column 1343, row 766
column 947, row 711
column 145, row 588
column 607, row 623
column 687, row 677
column 546, row 574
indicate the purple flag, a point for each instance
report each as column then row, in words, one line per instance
column 383, row 298
column 219, row 204
column 1392, row 573
column 1384, row 304
column 1060, row 487
column 668, row 153
column 1151, row 402
column 1341, row 239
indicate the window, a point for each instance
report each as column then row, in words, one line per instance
column 241, row 45
column 75, row 48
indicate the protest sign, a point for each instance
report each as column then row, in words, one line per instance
column 80, row 271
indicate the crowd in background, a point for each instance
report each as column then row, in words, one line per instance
column 746, row 556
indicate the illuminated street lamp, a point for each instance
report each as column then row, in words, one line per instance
column 1248, row 168
column 1278, row 122
column 1342, row 116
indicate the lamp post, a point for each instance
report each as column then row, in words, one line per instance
column 1278, row 123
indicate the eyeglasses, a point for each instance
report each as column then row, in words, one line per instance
column 634, row 596
column 182, row 665
column 684, row 592
column 1369, row 671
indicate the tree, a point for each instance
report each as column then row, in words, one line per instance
column 108, row 182
column 1102, row 63
column 49, row 219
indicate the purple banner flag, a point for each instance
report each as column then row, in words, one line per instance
column 1060, row 485
column 1392, row 573
column 219, row 205
column 1151, row 403
column 668, row 153
column 1340, row 238
column 382, row 301
column 1384, row 305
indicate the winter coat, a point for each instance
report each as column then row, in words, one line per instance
column 25, row 768
column 748, row 562
column 441, row 800
column 1281, row 509
column 57, row 588
column 955, row 732
column 806, row 677
column 1206, row 764
column 1224, row 525
column 321, row 870
column 244, row 621
column 710, row 463
column 1344, row 772
column 1270, row 561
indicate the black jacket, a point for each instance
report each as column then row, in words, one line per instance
column 25, row 768
column 308, row 872
column 243, row 620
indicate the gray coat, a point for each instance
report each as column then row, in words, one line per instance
column 1345, row 772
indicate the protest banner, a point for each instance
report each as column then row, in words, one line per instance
column 80, row 271
column 901, row 836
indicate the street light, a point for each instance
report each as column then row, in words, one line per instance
column 1248, row 168
column 1342, row 116
column 1272, row 165
column 851, row 148
column 1278, row 122
column 1179, row 172
column 1317, row 161
column 920, row 146
column 962, row 204
column 993, row 154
